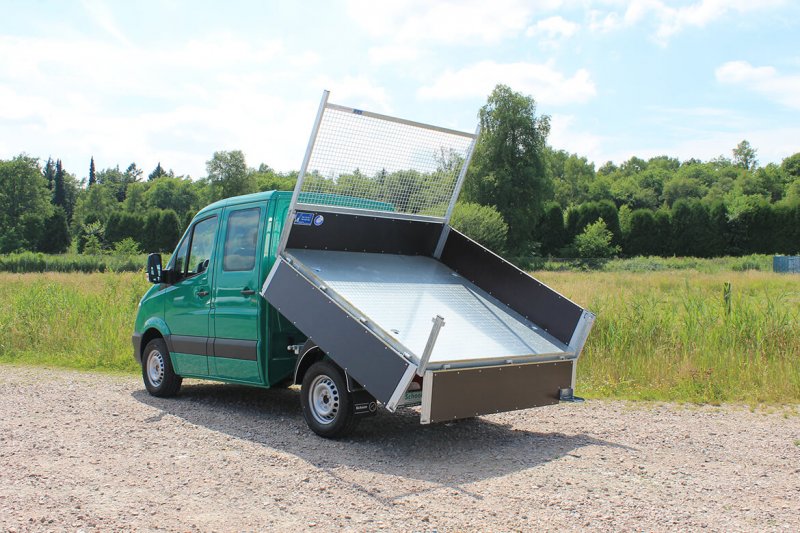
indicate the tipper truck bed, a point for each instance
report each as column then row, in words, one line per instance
column 396, row 307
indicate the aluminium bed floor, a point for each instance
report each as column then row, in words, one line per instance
column 402, row 294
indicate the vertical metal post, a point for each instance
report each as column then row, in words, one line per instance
column 578, row 339
column 456, row 191
column 438, row 324
column 302, row 174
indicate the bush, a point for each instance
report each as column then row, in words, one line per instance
column 57, row 239
column 641, row 235
column 126, row 247
column 595, row 241
column 551, row 232
column 92, row 245
column 481, row 223
column 169, row 230
column 93, row 230
column 121, row 226
column 579, row 217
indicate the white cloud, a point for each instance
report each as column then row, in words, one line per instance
column 553, row 28
column 564, row 136
column 543, row 81
column 393, row 53
column 74, row 98
column 357, row 91
column 670, row 20
column 305, row 59
column 93, row 66
column 447, row 21
column 766, row 81
column 743, row 72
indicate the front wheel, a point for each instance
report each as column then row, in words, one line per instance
column 159, row 377
column 327, row 405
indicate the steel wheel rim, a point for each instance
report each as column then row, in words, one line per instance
column 155, row 368
column 324, row 400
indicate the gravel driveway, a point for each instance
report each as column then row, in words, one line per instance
column 91, row 451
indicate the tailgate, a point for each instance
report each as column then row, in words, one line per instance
column 468, row 392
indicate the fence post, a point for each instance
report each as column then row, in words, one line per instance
column 726, row 296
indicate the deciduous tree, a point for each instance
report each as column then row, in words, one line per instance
column 24, row 203
column 509, row 166
column 228, row 176
column 744, row 155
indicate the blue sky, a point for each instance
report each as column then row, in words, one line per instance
column 173, row 81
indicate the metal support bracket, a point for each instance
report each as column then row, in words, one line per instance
column 438, row 324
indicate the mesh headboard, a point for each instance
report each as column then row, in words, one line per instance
column 363, row 161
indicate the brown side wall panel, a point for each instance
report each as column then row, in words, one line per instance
column 479, row 391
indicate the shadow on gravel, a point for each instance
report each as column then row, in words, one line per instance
column 449, row 454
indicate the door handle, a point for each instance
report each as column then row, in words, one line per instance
column 202, row 294
column 248, row 292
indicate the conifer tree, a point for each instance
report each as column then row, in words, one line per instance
column 92, row 175
column 59, row 190
column 157, row 172
column 49, row 173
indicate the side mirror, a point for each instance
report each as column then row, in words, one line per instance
column 154, row 272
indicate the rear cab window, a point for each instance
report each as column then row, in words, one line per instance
column 241, row 240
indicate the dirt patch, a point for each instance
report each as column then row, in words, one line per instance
column 89, row 451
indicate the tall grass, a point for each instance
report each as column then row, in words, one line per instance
column 72, row 320
column 669, row 336
column 659, row 264
column 663, row 335
column 36, row 262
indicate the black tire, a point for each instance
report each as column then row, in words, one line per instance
column 327, row 405
column 159, row 377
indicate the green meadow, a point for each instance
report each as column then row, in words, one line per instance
column 663, row 335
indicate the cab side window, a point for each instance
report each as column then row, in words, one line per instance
column 202, row 244
column 179, row 259
column 241, row 239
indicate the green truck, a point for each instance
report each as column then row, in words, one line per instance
column 355, row 287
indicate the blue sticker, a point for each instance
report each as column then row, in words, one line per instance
column 303, row 219
column 319, row 220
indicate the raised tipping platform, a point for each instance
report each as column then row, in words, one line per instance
column 400, row 294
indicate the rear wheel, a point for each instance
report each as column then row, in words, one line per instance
column 327, row 405
column 159, row 377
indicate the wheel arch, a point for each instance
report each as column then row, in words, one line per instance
column 153, row 329
column 310, row 353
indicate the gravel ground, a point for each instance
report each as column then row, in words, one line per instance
column 95, row 452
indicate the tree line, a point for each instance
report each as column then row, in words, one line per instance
column 45, row 208
column 521, row 197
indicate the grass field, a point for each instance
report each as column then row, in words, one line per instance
column 659, row 335
column 73, row 320
column 669, row 335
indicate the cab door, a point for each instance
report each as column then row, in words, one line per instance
column 187, row 303
column 236, row 300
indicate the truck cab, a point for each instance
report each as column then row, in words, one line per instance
column 204, row 317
